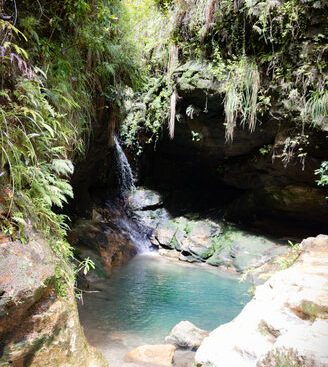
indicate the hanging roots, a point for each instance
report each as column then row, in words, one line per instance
column 173, row 105
column 173, row 59
column 241, row 96
column 209, row 15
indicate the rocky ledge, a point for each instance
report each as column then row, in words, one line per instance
column 286, row 323
column 195, row 237
column 37, row 327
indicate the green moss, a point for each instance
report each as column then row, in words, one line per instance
column 311, row 310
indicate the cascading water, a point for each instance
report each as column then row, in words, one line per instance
column 129, row 224
column 124, row 171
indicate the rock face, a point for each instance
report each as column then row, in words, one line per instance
column 216, row 244
column 257, row 163
column 144, row 199
column 186, row 335
column 108, row 242
column 118, row 229
column 37, row 327
column 190, row 237
column 286, row 324
column 148, row 206
column 153, row 355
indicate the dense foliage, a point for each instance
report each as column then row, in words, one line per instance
column 269, row 58
column 57, row 58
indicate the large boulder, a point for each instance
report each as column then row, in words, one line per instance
column 285, row 323
column 37, row 326
column 186, row 335
column 194, row 238
column 147, row 205
column 241, row 250
column 144, row 199
column 153, row 355
column 199, row 240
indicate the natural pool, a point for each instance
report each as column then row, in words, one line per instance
column 145, row 298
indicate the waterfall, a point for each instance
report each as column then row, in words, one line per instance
column 124, row 171
column 128, row 223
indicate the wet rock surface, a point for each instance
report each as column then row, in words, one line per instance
column 37, row 327
column 114, row 233
column 286, row 322
column 114, row 247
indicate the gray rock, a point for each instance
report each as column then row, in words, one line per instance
column 185, row 256
column 221, row 257
column 141, row 198
column 151, row 218
column 194, row 237
column 186, row 335
column 165, row 234
column 242, row 250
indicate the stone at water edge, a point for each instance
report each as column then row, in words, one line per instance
column 161, row 355
column 172, row 254
column 165, row 234
column 37, row 327
column 240, row 250
column 186, row 335
column 287, row 320
column 199, row 239
column 113, row 246
column 193, row 237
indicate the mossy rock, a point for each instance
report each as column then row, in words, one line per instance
column 194, row 237
column 243, row 250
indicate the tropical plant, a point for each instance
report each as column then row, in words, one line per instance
column 322, row 172
column 69, row 58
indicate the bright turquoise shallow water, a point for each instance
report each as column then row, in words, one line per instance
column 144, row 299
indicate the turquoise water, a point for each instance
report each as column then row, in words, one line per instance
column 144, row 299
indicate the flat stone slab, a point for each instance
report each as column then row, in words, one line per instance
column 161, row 355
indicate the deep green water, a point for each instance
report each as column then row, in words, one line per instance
column 144, row 299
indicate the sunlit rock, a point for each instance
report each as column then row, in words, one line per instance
column 186, row 335
column 285, row 322
column 154, row 355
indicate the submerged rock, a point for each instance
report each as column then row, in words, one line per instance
column 285, row 324
column 153, row 355
column 37, row 326
column 186, row 335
